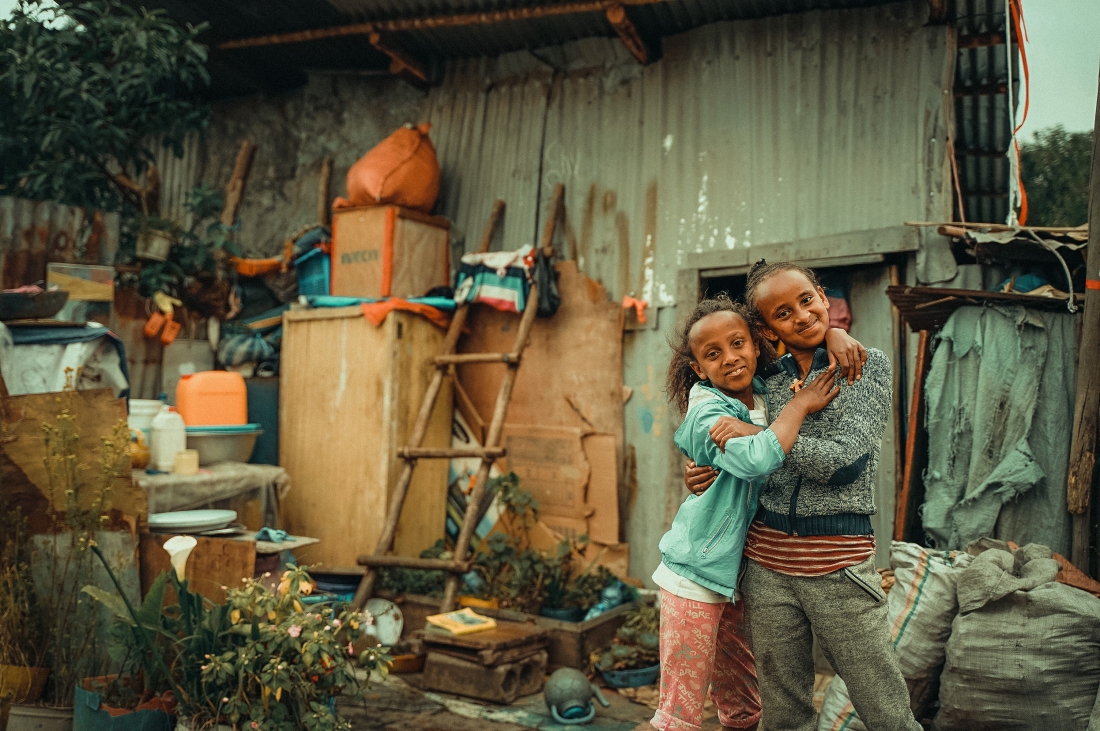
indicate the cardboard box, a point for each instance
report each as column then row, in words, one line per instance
column 388, row 251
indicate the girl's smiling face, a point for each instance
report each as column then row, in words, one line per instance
column 724, row 353
column 794, row 311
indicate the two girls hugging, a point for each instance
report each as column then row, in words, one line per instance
column 775, row 545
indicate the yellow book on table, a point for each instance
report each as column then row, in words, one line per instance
column 462, row 621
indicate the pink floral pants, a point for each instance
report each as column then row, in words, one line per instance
column 705, row 644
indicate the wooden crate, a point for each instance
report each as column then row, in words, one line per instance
column 569, row 643
column 387, row 251
column 349, row 396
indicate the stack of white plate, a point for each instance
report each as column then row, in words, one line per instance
column 191, row 521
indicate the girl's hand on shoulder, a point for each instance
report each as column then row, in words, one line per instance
column 727, row 428
column 848, row 352
column 818, row 394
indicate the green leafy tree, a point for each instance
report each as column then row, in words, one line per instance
column 1055, row 169
column 87, row 91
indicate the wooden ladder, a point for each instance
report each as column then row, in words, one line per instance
column 445, row 364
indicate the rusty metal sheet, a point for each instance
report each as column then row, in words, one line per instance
column 33, row 233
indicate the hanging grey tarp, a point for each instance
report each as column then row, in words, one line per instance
column 999, row 399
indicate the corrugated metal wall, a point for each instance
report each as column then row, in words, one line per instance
column 745, row 133
column 33, row 233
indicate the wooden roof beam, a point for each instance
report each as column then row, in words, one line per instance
column 400, row 60
column 628, row 34
column 432, row 22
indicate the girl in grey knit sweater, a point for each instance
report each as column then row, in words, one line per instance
column 811, row 567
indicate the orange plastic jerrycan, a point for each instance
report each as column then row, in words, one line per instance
column 211, row 398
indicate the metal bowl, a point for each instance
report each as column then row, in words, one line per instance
column 27, row 306
column 214, row 447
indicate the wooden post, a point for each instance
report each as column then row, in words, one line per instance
column 234, row 192
column 1082, row 455
column 628, row 34
column 324, row 192
column 911, row 492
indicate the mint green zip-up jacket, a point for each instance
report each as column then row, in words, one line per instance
column 707, row 536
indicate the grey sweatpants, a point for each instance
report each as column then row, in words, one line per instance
column 847, row 611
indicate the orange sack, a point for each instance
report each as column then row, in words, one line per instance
column 400, row 170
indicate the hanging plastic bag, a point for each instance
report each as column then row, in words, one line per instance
column 546, row 279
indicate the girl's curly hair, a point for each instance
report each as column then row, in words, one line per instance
column 680, row 376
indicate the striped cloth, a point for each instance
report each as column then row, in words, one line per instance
column 795, row 555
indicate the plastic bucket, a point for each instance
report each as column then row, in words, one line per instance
column 141, row 416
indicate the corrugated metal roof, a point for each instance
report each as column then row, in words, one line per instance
column 744, row 134
column 279, row 66
column 983, row 127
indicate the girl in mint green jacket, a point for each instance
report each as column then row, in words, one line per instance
column 703, row 641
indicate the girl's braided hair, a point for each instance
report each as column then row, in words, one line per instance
column 680, row 376
column 762, row 271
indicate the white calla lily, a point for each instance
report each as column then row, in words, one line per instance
column 179, row 548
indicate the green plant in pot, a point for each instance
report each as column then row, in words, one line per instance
column 195, row 266
column 633, row 657
column 569, row 591
column 22, row 644
column 261, row 661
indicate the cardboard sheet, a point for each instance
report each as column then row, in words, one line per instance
column 602, row 495
column 23, row 451
column 551, row 465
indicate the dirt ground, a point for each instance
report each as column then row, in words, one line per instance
column 398, row 704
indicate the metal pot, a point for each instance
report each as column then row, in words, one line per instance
column 568, row 695
column 154, row 245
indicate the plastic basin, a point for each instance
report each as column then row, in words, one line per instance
column 631, row 678
column 216, row 446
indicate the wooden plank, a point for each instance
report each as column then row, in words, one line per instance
column 889, row 240
column 215, row 563
column 478, row 358
column 602, row 494
column 491, row 453
column 907, row 505
column 1086, row 409
column 322, row 313
column 324, row 192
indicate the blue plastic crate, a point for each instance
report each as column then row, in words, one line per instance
column 314, row 272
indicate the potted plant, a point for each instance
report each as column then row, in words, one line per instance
column 22, row 677
column 570, row 593
column 633, row 657
column 260, row 661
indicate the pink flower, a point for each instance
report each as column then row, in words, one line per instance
column 294, row 630
column 351, row 649
column 336, row 622
column 255, row 725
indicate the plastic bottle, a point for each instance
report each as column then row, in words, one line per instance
column 169, row 437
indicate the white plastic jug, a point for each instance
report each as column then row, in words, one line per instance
column 169, row 437
column 142, row 413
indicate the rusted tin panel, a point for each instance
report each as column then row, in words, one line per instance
column 33, row 233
